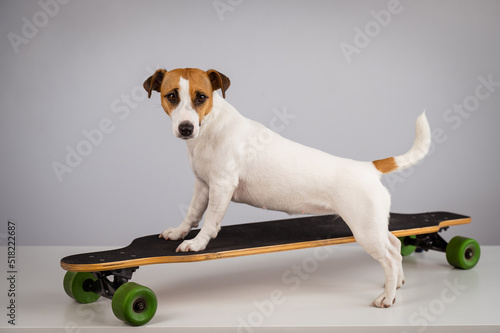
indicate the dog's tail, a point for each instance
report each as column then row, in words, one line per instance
column 417, row 152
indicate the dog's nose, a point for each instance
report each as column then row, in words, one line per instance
column 186, row 128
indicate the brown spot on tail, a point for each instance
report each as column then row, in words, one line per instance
column 386, row 165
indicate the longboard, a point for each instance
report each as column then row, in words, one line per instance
column 88, row 272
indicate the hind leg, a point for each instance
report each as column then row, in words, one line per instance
column 369, row 226
column 396, row 243
column 380, row 248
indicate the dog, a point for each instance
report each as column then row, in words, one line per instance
column 277, row 174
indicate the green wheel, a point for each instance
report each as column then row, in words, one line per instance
column 75, row 286
column 406, row 250
column 134, row 304
column 463, row 252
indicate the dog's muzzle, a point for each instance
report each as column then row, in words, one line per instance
column 186, row 129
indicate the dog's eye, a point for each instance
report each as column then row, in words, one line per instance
column 172, row 97
column 200, row 98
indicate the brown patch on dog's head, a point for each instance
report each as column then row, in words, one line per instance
column 219, row 81
column 154, row 81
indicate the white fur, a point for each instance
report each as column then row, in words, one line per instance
column 237, row 159
column 184, row 111
column 421, row 145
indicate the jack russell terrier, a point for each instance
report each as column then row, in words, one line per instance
column 281, row 175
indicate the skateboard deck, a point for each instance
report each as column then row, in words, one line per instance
column 107, row 273
column 254, row 238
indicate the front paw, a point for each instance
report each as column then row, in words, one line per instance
column 194, row 245
column 174, row 233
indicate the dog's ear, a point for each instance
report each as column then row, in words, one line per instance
column 154, row 81
column 218, row 81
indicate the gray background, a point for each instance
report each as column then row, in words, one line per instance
column 84, row 63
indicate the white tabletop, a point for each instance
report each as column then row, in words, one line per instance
column 312, row 290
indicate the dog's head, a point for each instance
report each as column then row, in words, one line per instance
column 187, row 96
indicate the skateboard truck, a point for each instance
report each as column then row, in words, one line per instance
column 106, row 288
column 130, row 302
column 426, row 242
column 461, row 252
